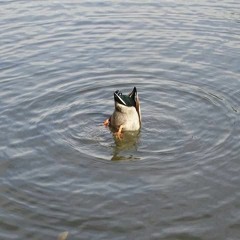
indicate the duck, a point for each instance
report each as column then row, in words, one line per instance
column 127, row 114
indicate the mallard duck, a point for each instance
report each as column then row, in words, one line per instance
column 127, row 114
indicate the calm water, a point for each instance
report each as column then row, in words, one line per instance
column 62, row 170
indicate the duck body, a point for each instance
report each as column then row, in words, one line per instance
column 127, row 114
column 127, row 117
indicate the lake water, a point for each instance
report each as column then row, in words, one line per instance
column 62, row 170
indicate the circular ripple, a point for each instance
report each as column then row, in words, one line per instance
column 186, row 125
column 180, row 121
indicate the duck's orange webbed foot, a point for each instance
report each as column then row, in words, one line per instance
column 106, row 122
column 119, row 134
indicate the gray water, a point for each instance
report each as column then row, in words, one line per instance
column 62, row 170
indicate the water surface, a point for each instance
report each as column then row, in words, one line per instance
column 62, row 170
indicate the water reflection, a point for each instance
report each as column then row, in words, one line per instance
column 125, row 147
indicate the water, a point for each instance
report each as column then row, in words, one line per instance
column 62, row 170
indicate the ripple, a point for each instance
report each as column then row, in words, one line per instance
column 180, row 121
